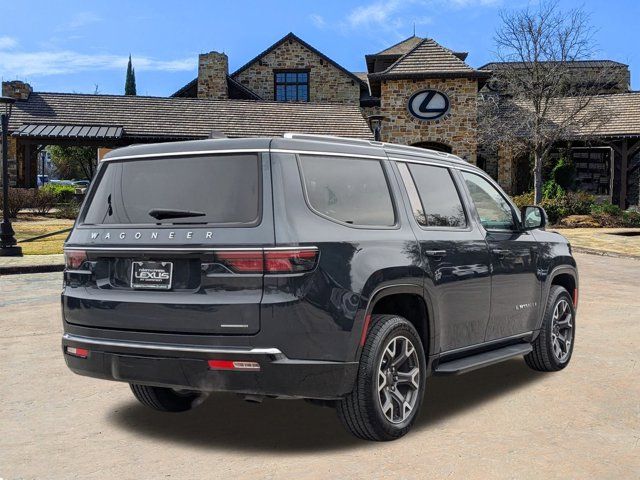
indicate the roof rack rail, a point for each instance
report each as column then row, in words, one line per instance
column 385, row 145
column 331, row 138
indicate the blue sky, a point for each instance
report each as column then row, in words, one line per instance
column 72, row 46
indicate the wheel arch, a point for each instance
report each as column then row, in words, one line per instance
column 565, row 276
column 409, row 301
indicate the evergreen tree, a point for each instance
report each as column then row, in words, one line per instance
column 130, row 82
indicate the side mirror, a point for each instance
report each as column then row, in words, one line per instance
column 533, row 217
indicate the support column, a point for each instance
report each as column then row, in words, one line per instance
column 505, row 169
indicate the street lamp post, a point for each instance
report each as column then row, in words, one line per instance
column 375, row 122
column 8, row 247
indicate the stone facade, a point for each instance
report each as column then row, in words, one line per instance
column 327, row 83
column 213, row 68
column 16, row 89
column 457, row 129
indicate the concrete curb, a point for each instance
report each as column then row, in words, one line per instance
column 19, row 269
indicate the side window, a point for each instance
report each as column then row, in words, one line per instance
column 349, row 190
column 433, row 195
column 495, row 212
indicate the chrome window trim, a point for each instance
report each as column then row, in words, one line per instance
column 168, row 347
column 183, row 153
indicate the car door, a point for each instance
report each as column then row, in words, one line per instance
column 453, row 254
column 515, row 287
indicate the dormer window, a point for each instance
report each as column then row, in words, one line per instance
column 291, row 86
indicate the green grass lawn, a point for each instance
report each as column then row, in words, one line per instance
column 28, row 226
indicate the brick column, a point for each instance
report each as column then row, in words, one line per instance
column 505, row 169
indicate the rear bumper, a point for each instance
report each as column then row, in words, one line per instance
column 186, row 367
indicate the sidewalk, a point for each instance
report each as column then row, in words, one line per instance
column 619, row 242
column 31, row 264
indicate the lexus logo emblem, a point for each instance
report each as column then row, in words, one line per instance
column 428, row 104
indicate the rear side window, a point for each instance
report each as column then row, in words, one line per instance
column 349, row 190
column 222, row 189
column 434, row 197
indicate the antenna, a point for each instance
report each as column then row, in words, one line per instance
column 414, row 29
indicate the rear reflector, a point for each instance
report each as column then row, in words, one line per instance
column 575, row 297
column 292, row 260
column 74, row 259
column 78, row 352
column 233, row 365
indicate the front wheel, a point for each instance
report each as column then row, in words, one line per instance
column 553, row 347
column 390, row 384
column 166, row 399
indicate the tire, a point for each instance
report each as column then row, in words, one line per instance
column 165, row 399
column 550, row 353
column 362, row 411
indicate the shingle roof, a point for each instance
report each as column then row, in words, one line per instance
column 621, row 112
column 188, row 118
column 402, row 47
column 574, row 64
column 430, row 58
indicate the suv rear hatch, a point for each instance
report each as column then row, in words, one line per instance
column 173, row 245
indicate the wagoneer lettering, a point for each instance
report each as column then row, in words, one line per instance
column 341, row 271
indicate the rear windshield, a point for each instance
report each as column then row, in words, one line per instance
column 222, row 189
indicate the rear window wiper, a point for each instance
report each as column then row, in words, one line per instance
column 163, row 213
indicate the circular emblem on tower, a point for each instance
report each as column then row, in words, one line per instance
column 428, row 104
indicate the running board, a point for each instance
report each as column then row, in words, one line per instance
column 467, row 364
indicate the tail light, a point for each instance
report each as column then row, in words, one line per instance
column 77, row 352
column 233, row 365
column 294, row 260
column 289, row 261
column 74, row 259
column 242, row 261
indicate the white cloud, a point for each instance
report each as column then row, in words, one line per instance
column 22, row 64
column 379, row 12
column 82, row 19
column 317, row 20
column 7, row 42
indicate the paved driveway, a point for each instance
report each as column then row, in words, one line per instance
column 505, row 421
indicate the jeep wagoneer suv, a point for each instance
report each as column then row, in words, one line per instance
column 341, row 271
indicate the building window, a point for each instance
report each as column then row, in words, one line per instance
column 292, row 86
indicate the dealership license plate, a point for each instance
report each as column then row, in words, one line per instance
column 151, row 275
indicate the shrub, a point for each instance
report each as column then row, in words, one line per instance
column 550, row 189
column 63, row 193
column 43, row 201
column 68, row 210
column 631, row 218
column 523, row 200
column 19, row 199
column 558, row 207
column 606, row 209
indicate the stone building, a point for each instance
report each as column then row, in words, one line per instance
column 416, row 92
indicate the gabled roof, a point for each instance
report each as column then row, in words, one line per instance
column 292, row 37
column 428, row 58
column 176, row 118
column 236, row 90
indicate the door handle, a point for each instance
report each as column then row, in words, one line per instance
column 500, row 253
column 435, row 253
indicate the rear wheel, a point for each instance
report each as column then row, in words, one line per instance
column 165, row 399
column 553, row 348
column 390, row 384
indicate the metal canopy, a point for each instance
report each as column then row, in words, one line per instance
column 69, row 131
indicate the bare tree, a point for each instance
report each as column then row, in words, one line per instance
column 538, row 96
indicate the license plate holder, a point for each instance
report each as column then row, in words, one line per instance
column 151, row 275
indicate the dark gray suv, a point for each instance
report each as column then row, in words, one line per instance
column 341, row 271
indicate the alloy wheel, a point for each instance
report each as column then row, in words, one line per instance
column 398, row 379
column 562, row 330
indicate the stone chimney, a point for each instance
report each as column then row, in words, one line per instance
column 213, row 68
column 16, row 89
